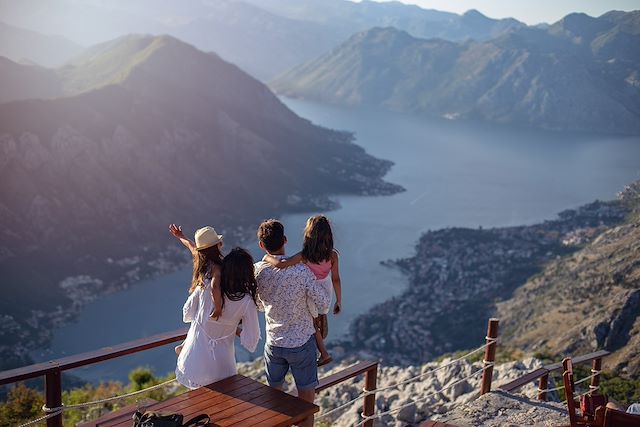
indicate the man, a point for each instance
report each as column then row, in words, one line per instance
column 283, row 296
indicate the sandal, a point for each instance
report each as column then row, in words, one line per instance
column 322, row 362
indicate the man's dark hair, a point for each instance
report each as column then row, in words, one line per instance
column 271, row 234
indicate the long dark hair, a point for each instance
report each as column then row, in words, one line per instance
column 203, row 262
column 238, row 278
column 318, row 240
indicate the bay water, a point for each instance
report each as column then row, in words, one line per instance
column 455, row 174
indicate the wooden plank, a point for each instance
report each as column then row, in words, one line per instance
column 265, row 403
column 124, row 411
column 292, row 410
column 272, row 418
column 106, row 353
column 249, row 414
column 523, row 380
column 235, row 401
column 245, row 414
column 579, row 359
column 350, row 372
column 184, row 402
column 193, row 395
column 222, row 402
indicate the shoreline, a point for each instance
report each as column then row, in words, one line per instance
column 139, row 266
column 455, row 278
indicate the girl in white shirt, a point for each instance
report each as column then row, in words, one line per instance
column 208, row 354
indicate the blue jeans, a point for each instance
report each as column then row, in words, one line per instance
column 302, row 361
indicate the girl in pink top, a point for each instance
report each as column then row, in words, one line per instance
column 322, row 259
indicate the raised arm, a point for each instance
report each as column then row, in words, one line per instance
column 335, row 279
column 176, row 231
column 284, row 263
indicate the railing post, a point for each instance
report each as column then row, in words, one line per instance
column 543, row 384
column 53, row 395
column 596, row 366
column 370, row 383
column 489, row 355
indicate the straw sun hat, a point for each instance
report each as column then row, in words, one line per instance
column 207, row 237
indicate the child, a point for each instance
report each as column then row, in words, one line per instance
column 321, row 258
column 207, row 261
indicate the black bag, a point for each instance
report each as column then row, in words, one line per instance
column 154, row 419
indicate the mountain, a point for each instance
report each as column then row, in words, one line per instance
column 263, row 37
column 587, row 301
column 348, row 17
column 151, row 131
column 580, row 73
column 27, row 81
column 24, row 45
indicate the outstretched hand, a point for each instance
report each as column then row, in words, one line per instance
column 176, row 230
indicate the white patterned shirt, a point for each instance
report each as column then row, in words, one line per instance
column 283, row 295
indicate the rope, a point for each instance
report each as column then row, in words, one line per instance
column 53, row 412
column 547, row 390
column 381, row 414
column 435, row 370
column 39, row 420
column 589, row 377
column 366, row 393
column 591, row 390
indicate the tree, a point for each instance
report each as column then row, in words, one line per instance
column 23, row 404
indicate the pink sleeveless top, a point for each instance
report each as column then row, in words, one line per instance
column 321, row 270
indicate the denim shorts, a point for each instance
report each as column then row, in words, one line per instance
column 302, row 361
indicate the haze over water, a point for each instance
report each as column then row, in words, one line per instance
column 456, row 174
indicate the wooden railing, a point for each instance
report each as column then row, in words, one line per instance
column 370, row 369
column 542, row 374
column 52, row 371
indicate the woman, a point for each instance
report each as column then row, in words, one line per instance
column 208, row 353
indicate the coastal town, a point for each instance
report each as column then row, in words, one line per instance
column 458, row 275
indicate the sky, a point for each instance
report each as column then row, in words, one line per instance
column 529, row 11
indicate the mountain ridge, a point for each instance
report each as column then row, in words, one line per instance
column 18, row 44
column 528, row 77
column 170, row 134
column 264, row 38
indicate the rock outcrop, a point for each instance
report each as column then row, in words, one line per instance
column 586, row 301
column 461, row 402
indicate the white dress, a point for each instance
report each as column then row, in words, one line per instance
column 208, row 352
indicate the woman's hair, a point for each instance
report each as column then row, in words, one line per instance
column 318, row 240
column 238, row 278
column 203, row 262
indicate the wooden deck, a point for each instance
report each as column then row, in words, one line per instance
column 234, row 401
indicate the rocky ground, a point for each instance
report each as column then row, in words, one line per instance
column 586, row 301
column 501, row 409
column 461, row 402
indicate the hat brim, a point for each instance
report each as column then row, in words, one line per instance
column 201, row 248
